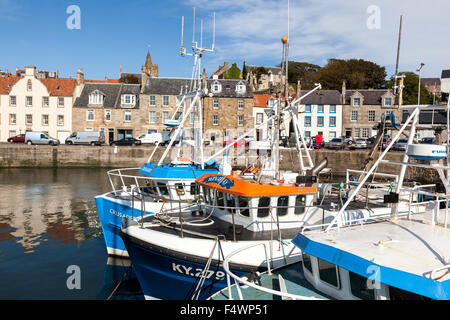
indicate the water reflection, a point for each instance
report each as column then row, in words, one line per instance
column 42, row 205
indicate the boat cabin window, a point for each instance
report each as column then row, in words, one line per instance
column 263, row 207
column 300, row 202
column 243, row 206
column 207, row 195
column 328, row 273
column 212, row 197
column 163, row 190
column 307, row 262
column 359, row 287
column 179, row 187
column 282, row 204
column 230, row 202
column 150, row 188
column 195, row 189
column 220, row 199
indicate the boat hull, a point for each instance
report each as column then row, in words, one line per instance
column 111, row 213
column 168, row 276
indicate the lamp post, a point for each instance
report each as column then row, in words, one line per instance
column 419, row 70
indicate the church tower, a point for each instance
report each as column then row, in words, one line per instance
column 149, row 68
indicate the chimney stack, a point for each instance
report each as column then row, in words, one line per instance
column 344, row 91
column 204, row 78
column 299, row 88
column 80, row 77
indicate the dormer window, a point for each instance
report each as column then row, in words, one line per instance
column 356, row 102
column 96, row 97
column 216, row 87
column 388, row 102
column 128, row 100
column 240, row 87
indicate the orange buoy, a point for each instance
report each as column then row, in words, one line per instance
column 284, row 39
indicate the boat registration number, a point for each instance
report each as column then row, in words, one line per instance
column 197, row 272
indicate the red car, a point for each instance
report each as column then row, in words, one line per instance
column 17, row 139
column 236, row 143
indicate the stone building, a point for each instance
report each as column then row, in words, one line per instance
column 227, row 109
column 362, row 110
column 111, row 108
column 261, row 79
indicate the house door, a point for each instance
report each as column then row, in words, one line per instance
column 110, row 135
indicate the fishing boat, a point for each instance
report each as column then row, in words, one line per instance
column 144, row 191
column 179, row 252
column 388, row 258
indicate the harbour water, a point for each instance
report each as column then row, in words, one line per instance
column 51, row 242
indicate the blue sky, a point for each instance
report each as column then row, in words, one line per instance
column 115, row 33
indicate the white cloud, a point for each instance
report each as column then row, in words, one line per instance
column 323, row 29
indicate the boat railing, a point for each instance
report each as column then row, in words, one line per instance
column 123, row 175
column 238, row 281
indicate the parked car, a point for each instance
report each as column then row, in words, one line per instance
column 86, row 137
column 316, row 145
column 371, row 140
column 337, row 143
column 401, row 144
column 37, row 137
column 385, row 143
column 235, row 142
column 152, row 138
column 360, row 143
column 17, row 139
column 348, row 140
column 128, row 141
column 427, row 140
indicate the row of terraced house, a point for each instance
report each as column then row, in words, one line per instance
column 32, row 100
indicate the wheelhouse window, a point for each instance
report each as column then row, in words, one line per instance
column 307, row 262
column 328, row 273
column 230, row 202
column 263, row 207
column 358, row 285
column 282, row 204
column 195, row 189
column 163, row 189
column 220, row 199
column 207, row 195
column 300, row 202
column 243, row 206
column 179, row 188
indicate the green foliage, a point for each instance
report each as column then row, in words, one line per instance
column 410, row 90
column 244, row 71
column 233, row 73
column 129, row 79
column 307, row 73
column 359, row 74
column 258, row 72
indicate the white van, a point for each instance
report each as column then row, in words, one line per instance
column 33, row 137
column 152, row 138
column 86, row 137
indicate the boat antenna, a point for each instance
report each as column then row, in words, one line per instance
column 398, row 54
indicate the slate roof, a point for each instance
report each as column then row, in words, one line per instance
column 322, row 97
column 229, row 88
column 445, row 74
column 371, row 96
column 166, row 86
column 274, row 70
column 112, row 92
column 431, row 81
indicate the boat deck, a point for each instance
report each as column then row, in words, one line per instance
column 295, row 282
column 390, row 244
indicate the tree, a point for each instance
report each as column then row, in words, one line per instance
column 359, row 74
column 303, row 71
column 244, row 71
column 410, row 90
column 233, row 73
column 131, row 79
